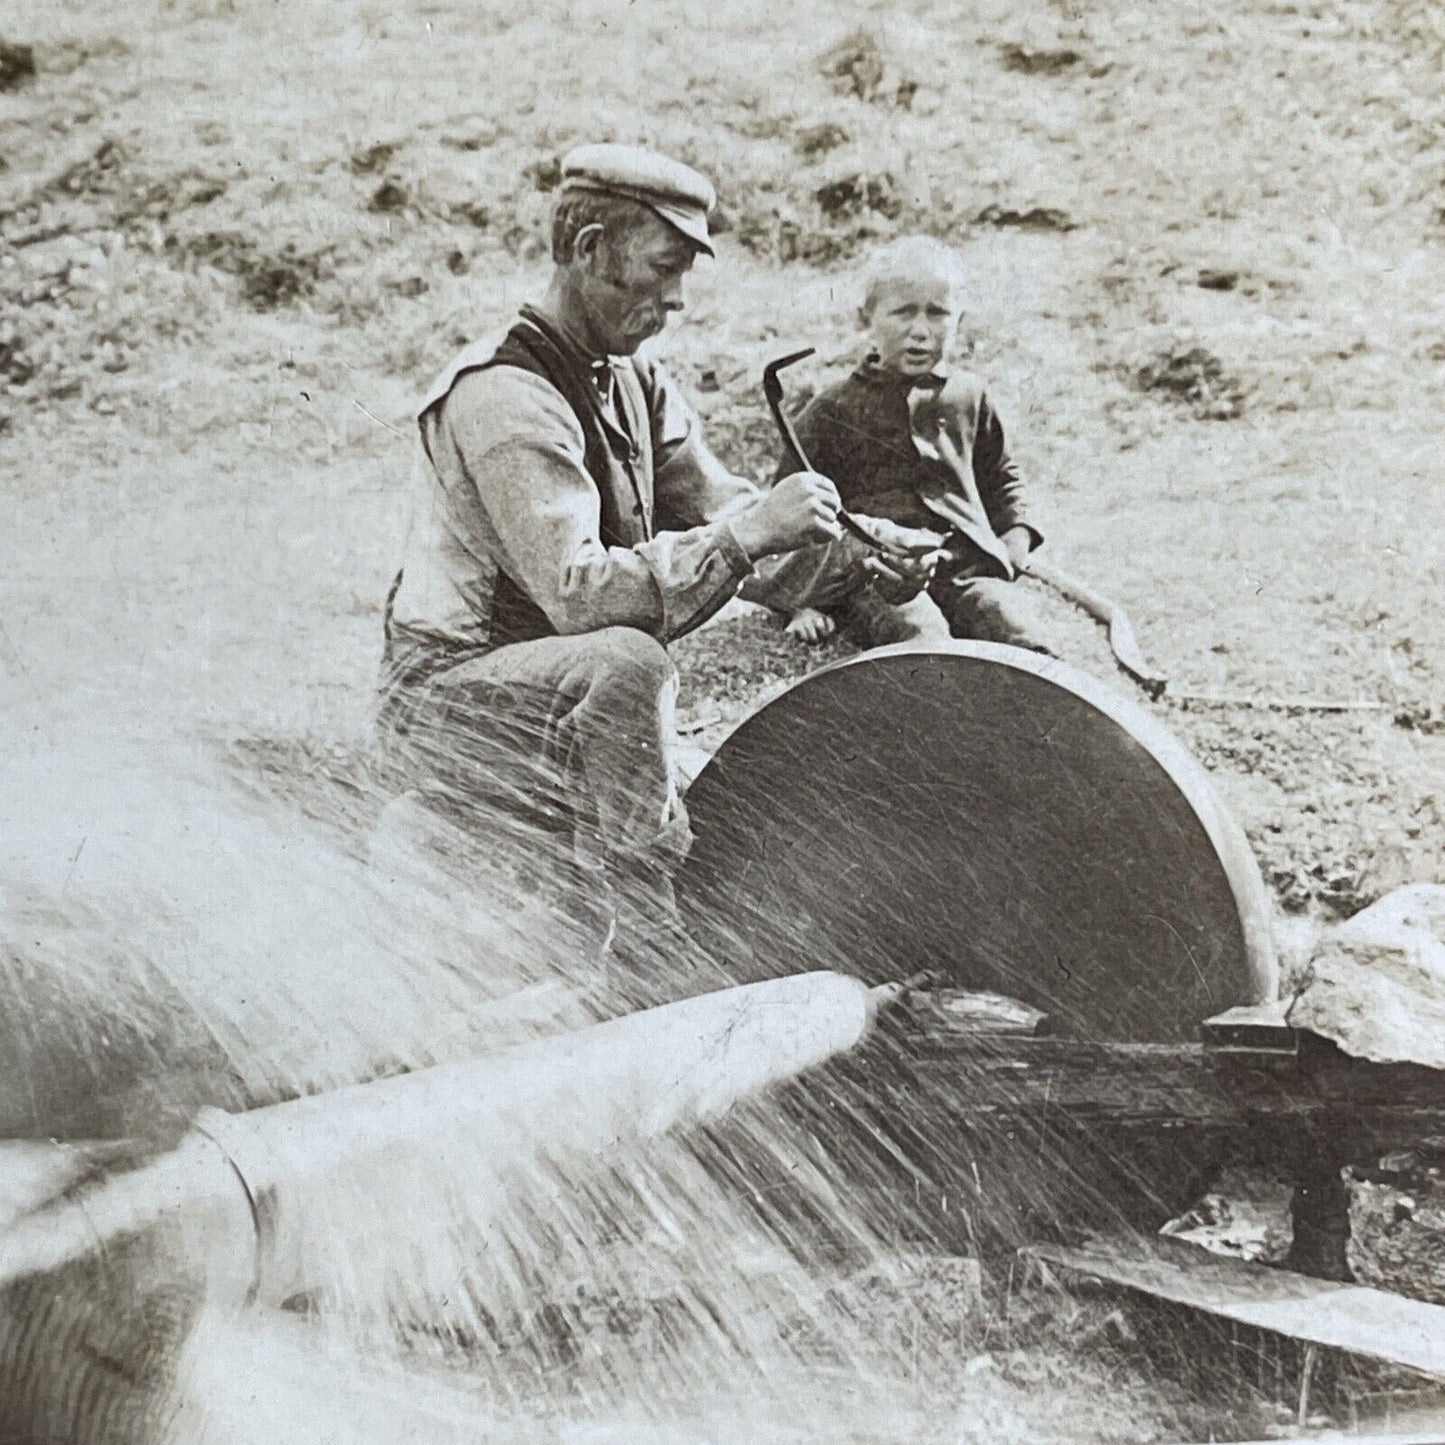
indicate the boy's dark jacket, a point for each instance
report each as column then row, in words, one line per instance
column 858, row 433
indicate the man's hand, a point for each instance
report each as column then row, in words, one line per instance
column 801, row 509
column 1020, row 542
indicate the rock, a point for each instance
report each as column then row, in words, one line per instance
column 373, row 158
column 546, row 173
column 1037, row 60
column 858, row 192
column 390, row 195
column 17, row 64
column 1195, row 376
column 855, row 65
column 1029, row 218
column 472, row 212
column 1376, row 983
column 858, row 66
column 817, row 140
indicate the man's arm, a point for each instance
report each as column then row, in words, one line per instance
column 544, row 514
column 692, row 485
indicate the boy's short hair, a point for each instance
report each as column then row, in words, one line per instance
column 909, row 256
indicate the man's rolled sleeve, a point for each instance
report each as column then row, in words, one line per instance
column 697, row 572
column 544, row 512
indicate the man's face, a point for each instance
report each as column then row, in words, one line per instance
column 912, row 322
column 634, row 282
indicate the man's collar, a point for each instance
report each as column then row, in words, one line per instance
column 565, row 337
column 600, row 369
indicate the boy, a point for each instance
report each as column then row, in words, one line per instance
column 872, row 434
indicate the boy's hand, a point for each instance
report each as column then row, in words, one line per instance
column 809, row 625
column 801, row 509
column 1020, row 542
column 900, row 579
column 908, row 567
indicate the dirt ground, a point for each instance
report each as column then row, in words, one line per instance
column 1206, row 260
column 1205, row 254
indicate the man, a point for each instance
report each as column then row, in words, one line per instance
column 569, row 522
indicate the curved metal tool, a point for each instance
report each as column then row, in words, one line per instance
column 1121, row 631
column 773, row 391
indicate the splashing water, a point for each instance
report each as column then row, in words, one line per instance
column 170, row 941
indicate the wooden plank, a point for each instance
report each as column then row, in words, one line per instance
column 1369, row 1323
column 1258, row 1033
column 1147, row 1084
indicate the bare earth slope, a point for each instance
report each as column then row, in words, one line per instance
column 1206, row 259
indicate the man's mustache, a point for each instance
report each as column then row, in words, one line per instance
column 645, row 318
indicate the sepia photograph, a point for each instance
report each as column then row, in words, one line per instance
column 722, row 723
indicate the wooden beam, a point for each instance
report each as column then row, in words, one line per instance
column 1180, row 1084
column 1368, row 1323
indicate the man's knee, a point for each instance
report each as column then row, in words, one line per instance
column 636, row 652
column 628, row 663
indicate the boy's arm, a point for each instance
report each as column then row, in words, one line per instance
column 999, row 485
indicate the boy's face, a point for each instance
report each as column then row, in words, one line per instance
column 912, row 322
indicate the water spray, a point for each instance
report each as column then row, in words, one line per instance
column 228, row 1216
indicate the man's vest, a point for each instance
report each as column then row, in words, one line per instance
column 618, row 458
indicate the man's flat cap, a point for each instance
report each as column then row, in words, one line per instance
column 677, row 193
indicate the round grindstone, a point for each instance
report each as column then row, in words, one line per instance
column 990, row 817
